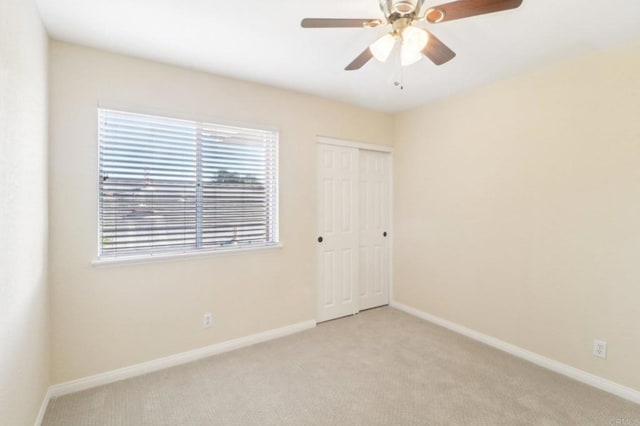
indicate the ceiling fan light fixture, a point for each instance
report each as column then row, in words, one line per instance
column 409, row 57
column 382, row 47
column 413, row 41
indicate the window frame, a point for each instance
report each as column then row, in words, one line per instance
column 186, row 253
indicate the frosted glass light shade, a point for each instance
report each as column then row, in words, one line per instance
column 409, row 57
column 413, row 41
column 381, row 48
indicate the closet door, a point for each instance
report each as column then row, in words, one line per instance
column 338, row 231
column 374, row 194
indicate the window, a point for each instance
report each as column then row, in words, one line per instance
column 174, row 186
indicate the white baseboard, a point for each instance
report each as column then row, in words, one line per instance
column 542, row 361
column 170, row 361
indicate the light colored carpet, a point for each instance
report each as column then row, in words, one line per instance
column 381, row 367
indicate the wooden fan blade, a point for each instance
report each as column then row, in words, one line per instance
column 359, row 62
column 437, row 51
column 467, row 8
column 338, row 23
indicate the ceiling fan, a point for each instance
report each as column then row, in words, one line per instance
column 414, row 41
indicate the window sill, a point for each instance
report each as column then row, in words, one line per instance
column 171, row 257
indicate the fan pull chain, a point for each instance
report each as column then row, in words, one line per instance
column 400, row 83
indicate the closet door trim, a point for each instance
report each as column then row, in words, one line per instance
column 354, row 144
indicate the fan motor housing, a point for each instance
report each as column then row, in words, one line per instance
column 403, row 6
column 400, row 7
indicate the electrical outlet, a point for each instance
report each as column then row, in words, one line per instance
column 600, row 348
column 207, row 320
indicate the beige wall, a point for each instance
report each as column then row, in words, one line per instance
column 517, row 211
column 24, row 340
column 108, row 318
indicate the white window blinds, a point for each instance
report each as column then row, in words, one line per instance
column 169, row 185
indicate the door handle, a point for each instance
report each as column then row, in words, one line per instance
column 320, row 239
column 384, row 234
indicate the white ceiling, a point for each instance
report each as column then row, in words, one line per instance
column 261, row 41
